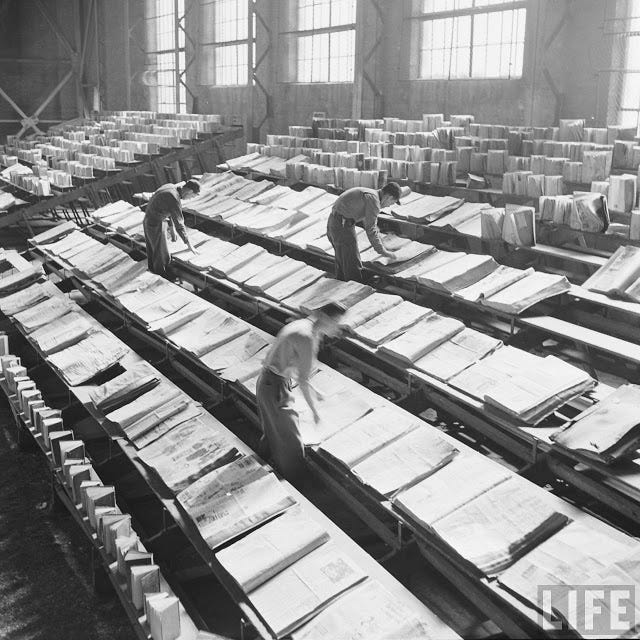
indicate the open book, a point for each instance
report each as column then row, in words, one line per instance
column 405, row 461
column 501, row 525
column 187, row 453
column 369, row 434
column 619, row 276
column 234, row 499
column 368, row 611
column 272, row 548
column 298, row 593
column 466, row 477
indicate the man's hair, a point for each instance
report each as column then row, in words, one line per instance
column 332, row 310
column 192, row 185
column 392, row 189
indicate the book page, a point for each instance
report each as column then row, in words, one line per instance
column 367, row 612
column 367, row 309
column 272, row 548
column 405, row 461
column 499, row 279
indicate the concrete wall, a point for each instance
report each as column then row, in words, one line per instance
column 565, row 58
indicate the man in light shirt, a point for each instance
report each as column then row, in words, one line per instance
column 358, row 205
column 293, row 357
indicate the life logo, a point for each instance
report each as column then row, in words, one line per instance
column 597, row 611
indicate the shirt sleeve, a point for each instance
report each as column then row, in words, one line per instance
column 371, row 211
column 178, row 220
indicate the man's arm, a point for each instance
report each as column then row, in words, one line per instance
column 371, row 211
column 178, row 222
column 306, row 365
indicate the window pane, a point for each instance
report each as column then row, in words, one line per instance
column 230, row 20
column 341, row 63
column 446, row 47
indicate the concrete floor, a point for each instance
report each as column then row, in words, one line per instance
column 46, row 590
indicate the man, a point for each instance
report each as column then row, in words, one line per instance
column 163, row 216
column 293, row 356
column 355, row 205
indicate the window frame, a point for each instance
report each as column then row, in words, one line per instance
column 295, row 34
column 421, row 18
column 178, row 51
column 216, row 45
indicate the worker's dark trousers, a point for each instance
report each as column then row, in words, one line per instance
column 342, row 235
column 282, row 441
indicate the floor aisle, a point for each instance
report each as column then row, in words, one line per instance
column 46, row 590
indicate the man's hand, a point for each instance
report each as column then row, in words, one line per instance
column 193, row 249
column 392, row 255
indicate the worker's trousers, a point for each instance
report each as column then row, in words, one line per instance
column 342, row 235
column 158, row 256
column 282, row 441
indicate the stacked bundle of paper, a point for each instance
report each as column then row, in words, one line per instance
column 427, row 208
column 85, row 359
column 457, row 354
column 496, row 528
column 303, row 277
column 325, row 291
column 405, row 461
column 407, row 252
column 607, row 431
column 371, row 609
column 310, row 584
column 42, row 313
column 233, row 499
column 28, row 297
column 466, row 477
column 264, row 553
column 237, row 350
column 190, row 451
column 523, row 385
column 62, row 332
column 366, row 309
column 307, row 230
column 260, row 263
column 499, row 279
column 270, row 277
column 533, row 395
column 620, row 276
column 465, row 219
column 527, row 291
column 422, row 338
column 391, row 323
column 369, row 434
column 577, row 555
column 430, row 262
column 458, row 274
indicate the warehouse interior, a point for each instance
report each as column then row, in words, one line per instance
column 319, row 319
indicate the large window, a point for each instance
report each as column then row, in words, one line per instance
column 225, row 44
column 623, row 27
column 472, row 38
column 326, row 53
column 166, row 36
